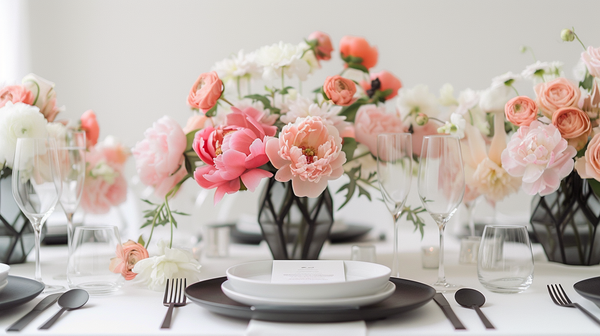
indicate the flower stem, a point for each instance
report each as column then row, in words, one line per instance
column 517, row 92
column 238, row 88
column 577, row 37
column 225, row 100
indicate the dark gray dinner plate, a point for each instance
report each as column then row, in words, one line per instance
column 409, row 295
column 589, row 289
column 18, row 291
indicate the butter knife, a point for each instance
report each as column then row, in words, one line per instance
column 37, row 310
column 443, row 303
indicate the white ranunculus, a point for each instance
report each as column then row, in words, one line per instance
column 19, row 121
column 56, row 130
column 170, row 263
column 495, row 98
column 447, row 95
column 284, row 57
column 417, row 100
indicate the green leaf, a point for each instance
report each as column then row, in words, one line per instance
column 286, row 89
column 318, row 90
column 141, row 240
column 212, row 112
column 362, row 191
column 147, row 201
column 348, row 147
column 180, row 213
column 190, row 139
column 358, row 66
column 266, row 102
column 350, row 111
column 587, row 82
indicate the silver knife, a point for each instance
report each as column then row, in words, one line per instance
column 38, row 309
column 443, row 303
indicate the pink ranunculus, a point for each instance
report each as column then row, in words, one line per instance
column 159, row 157
column 521, row 111
column 15, row 94
column 90, row 125
column 324, row 46
column 556, row 94
column 44, row 96
column 359, row 47
column 388, row 82
column 308, row 152
column 371, row 121
column 340, row 90
column 127, row 256
column 574, row 125
column 588, row 166
column 206, row 91
column 591, row 58
column 104, row 186
column 541, row 156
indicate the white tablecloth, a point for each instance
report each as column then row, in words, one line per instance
column 139, row 311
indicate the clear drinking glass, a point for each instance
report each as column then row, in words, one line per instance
column 91, row 253
column 394, row 173
column 505, row 260
column 441, row 185
column 36, row 188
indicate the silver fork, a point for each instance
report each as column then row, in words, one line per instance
column 558, row 295
column 174, row 297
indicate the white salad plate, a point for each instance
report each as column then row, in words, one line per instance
column 252, row 300
column 362, row 279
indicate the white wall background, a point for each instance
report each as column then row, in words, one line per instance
column 134, row 61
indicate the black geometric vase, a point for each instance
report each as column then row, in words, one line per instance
column 16, row 233
column 566, row 223
column 294, row 227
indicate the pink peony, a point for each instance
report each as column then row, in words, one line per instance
column 15, row 94
column 308, row 152
column 159, row 157
column 371, row 121
column 324, row 46
column 233, row 153
column 127, row 256
column 90, row 125
column 388, row 82
column 206, row 91
column 105, row 185
column 540, row 155
column 591, row 58
column 339, row 90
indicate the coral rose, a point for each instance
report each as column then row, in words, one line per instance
column 206, row 91
column 556, row 94
column 371, row 121
column 340, row 90
column 541, row 156
column 308, row 152
column 15, row 94
column 44, row 96
column 521, row 111
column 159, row 157
column 127, row 256
column 588, row 166
column 574, row 125
column 90, row 125
column 233, row 153
column 388, row 82
column 324, row 46
column 359, row 47
column 591, row 59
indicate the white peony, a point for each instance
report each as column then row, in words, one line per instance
column 171, row 263
column 417, row 100
column 303, row 107
column 238, row 66
column 282, row 57
column 18, row 121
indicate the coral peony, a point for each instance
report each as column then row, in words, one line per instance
column 44, row 96
column 556, row 94
column 90, row 125
column 541, row 156
column 308, row 152
column 206, row 91
column 324, row 46
column 371, row 121
column 15, row 94
column 159, row 157
column 359, row 47
column 521, row 111
column 387, row 81
column 127, row 256
column 574, row 125
column 340, row 90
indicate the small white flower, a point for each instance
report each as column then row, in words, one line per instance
column 447, row 95
column 506, row 79
column 579, row 71
column 494, row 98
column 19, row 121
column 238, row 66
column 456, row 126
column 417, row 100
column 284, row 57
column 153, row 272
column 543, row 70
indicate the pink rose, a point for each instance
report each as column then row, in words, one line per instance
column 308, row 152
column 556, row 94
column 159, row 157
column 388, row 82
column 206, row 91
column 232, row 153
column 105, row 185
column 44, row 96
column 15, row 94
column 371, row 121
column 359, row 47
column 521, row 111
column 324, row 46
column 574, row 125
column 127, row 256
column 89, row 124
column 540, row 155
column 588, row 166
column 340, row 90
column 591, row 58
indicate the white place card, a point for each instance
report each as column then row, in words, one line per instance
column 307, row 271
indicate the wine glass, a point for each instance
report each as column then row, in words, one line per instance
column 36, row 187
column 71, row 148
column 441, row 185
column 394, row 173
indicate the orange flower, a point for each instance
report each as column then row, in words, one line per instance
column 521, row 111
column 90, row 125
column 359, row 47
column 387, row 80
column 339, row 90
column 574, row 125
column 206, row 91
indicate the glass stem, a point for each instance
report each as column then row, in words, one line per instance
column 441, row 275
column 37, row 228
column 69, row 230
column 395, row 260
column 470, row 210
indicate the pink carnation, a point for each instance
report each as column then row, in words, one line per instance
column 540, row 155
column 308, row 152
column 371, row 121
column 159, row 157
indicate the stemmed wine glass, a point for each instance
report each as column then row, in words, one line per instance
column 441, row 185
column 36, row 187
column 394, row 173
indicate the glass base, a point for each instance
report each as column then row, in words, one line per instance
column 444, row 287
column 99, row 288
column 50, row 289
column 60, row 277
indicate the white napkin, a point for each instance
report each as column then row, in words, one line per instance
column 263, row 328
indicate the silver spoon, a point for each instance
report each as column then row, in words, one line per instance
column 471, row 298
column 73, row 299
